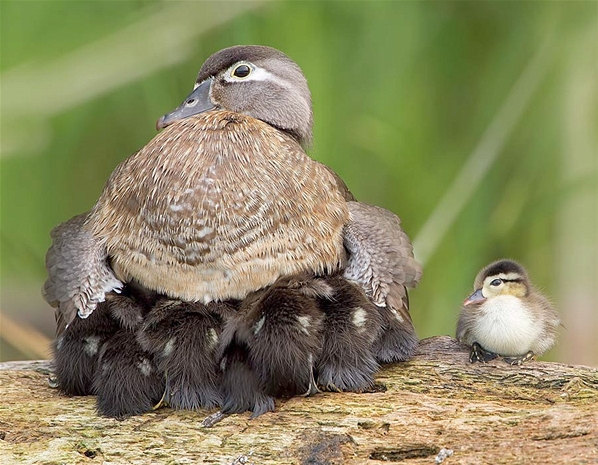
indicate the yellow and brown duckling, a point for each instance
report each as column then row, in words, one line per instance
column 506, row 316
column 224, row 202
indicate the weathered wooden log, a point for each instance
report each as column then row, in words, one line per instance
column 490, row 413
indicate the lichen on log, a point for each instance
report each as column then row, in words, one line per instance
column 490, row 413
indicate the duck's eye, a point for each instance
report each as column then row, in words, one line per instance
column 242, row 71
column 496, row 282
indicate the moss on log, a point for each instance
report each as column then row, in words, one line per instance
column 486, row 413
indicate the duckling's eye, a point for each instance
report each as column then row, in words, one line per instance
column 496, row 282
column 242, row 71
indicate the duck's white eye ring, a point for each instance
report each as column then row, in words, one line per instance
column 241, row 71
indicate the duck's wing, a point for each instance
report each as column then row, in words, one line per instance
column 381, row 255
column 79, row 276
column 381, row 261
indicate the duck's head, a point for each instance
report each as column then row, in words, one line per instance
column 254, row 80
column 503, row 277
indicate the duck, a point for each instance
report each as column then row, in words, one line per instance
column 506, row 316
column 223, row 202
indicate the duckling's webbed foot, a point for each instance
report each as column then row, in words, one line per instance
column 352, row 324
column 184, row 338
column 521, row 359
column 478, row 354
column 312, row 389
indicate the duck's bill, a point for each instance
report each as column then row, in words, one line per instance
column 197, row 102
column 475, row 298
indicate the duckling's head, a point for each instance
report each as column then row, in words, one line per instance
column 503, row 277
column 254, row 80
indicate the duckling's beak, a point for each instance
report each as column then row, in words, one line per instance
column 197, row 102
column 476, row 297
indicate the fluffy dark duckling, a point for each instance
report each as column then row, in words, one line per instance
column 99, row 355
column 347, row 361
column 184, row 337
column 269, row 349
column 77, row 345
column 506, row 316
column 128, row 381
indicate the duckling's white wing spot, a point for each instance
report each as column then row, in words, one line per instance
column 359, row 318
column 258, row 326
column 145, row 367
column 304, row 322
column 92, row 345
column 212, row 338
column 169, row 347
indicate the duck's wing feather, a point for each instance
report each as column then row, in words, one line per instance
column 79, row 276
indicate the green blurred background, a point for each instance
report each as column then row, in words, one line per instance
column 476, row 122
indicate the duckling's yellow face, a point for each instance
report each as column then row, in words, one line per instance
column 513, row 284
column 504, row 284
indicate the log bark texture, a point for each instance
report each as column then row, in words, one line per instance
column 490, row 413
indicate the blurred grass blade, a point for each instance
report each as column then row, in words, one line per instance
column 160, row 40
column 486, row 152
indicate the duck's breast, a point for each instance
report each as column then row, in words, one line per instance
column 217, row 206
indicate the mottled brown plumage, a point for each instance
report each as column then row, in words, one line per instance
column 217, row 206
column 381, row 261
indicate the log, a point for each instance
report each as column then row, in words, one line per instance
column 490, row 413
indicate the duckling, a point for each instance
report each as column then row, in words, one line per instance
column 270, row 347
column 127, row 380
column 506, row 316
column 76, row 351
column 184, row 337
column 353, row 324
column 77, row 346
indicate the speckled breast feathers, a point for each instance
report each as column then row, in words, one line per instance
column 238, row 206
